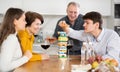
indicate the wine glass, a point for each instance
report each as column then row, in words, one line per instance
column 69, row 46
column 49, row 37
column 45, row 45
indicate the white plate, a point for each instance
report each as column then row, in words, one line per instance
column 81, row 68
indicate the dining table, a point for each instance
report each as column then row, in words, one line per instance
column 53, row 64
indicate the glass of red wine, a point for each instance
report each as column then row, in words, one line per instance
column 69, row 46
column 45, row 45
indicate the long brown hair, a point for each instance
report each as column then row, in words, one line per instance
column 7, row 25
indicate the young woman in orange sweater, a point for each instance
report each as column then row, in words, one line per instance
column 34, row 21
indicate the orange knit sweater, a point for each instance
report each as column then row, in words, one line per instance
column 27, row 44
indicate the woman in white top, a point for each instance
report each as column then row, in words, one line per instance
column 11, row 55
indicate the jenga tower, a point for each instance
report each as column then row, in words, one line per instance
column 62, row 44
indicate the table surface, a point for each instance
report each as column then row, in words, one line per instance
column 54, row 64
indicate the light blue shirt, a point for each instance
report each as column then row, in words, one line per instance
column 107, row 44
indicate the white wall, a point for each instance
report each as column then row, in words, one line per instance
column 50, row 23
column 57, row 7
column 52, row 18
column 116, row 1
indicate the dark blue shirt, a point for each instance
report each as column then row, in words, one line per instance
column 78, row 25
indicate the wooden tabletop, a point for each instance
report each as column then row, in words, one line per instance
column 54, row 64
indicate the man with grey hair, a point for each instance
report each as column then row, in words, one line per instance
column 75, row 21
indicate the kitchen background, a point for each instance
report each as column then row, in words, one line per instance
column 55, row 9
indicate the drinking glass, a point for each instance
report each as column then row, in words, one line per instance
column 45, row 45
column 49, row 37
column 69, row 46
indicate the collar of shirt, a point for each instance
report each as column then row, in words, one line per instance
column 100, row 36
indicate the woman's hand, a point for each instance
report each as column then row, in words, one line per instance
column 45, row 56
column 28, row 54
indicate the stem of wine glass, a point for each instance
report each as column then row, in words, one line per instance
column 45, row 51
column 68, row 54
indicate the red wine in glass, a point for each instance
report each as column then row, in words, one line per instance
column 69, row 46
column 44, row 46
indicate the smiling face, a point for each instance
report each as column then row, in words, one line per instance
column 72, row 12
column 89, row 26
column 35, row 26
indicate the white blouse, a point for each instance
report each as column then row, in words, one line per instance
column 11, row 54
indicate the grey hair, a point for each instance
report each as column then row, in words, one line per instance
column 74, row 3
